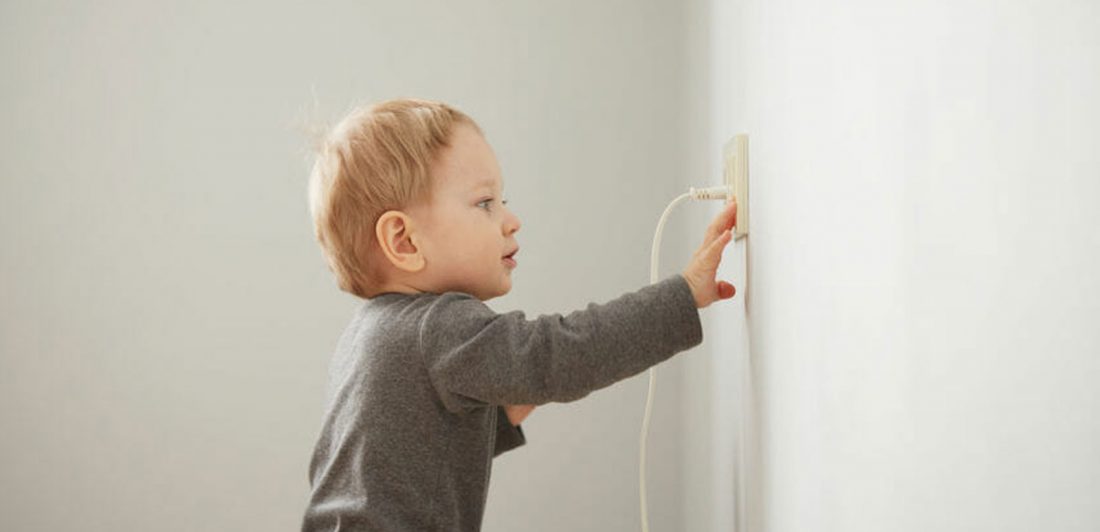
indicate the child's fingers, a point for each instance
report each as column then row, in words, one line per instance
column 723, row 221
column 713, row 254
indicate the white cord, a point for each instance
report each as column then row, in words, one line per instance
column 653, row 370
column 722, row 192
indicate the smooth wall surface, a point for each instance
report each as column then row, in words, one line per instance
column 166, row 319
column 923, row 286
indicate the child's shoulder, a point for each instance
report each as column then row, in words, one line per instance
column 416, row 309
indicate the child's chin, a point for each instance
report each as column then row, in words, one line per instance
column 503, row 291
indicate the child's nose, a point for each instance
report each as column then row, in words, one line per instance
column 512, row 225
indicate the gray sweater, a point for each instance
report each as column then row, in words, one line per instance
column 414, row 416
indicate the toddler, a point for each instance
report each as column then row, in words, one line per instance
column 428, row 384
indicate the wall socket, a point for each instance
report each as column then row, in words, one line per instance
column 735, row 171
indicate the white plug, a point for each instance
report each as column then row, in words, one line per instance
column 735, row 173
column 723, row 192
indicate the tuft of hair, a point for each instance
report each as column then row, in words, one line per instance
column 378, row 158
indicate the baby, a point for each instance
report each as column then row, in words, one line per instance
column 428, row 384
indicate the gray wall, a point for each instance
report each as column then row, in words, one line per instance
column 166, row 319
column 923, row 266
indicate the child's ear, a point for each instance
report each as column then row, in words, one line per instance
column 394, row 232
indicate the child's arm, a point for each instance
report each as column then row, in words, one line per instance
column 476, row 357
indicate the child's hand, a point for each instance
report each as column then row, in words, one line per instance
column 517, row 413
column 700, row 273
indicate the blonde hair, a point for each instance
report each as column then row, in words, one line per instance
column 378, row 158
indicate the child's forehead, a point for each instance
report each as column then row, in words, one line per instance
column 465, row 187
column 469, row 164
column 484, row 182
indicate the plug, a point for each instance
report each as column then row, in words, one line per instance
column 723, row 192
column 735, row 174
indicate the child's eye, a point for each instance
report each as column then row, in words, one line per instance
column 490, row 200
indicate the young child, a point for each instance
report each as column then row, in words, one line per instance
column 428, row 384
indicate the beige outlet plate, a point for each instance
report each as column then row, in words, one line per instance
column 735, row 171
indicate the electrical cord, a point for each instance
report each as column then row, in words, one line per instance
column 712, row 193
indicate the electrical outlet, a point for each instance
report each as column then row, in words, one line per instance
column 735, row 171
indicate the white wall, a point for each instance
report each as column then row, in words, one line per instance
column 165, row 317
column 923, row 288
column 924, row 347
